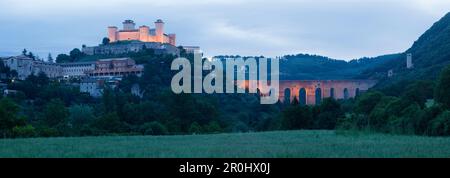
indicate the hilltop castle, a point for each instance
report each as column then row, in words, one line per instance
column 143, row 34
column 133, row 40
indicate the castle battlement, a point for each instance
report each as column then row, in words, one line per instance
column 144, row 33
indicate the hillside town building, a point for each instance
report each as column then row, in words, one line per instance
column 115, row 67
column 76, row 69
column 192, row 49
column 26, row 66
column 118, row 67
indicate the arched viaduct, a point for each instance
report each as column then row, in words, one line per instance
column 311, row 92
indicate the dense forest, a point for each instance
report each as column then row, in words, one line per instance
column 314, row 67
column 48, row 108
column 430, row 55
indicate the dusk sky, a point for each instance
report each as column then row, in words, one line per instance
column 342, row 29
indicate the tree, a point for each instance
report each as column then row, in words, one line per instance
column 109, row 100
column 24, row 52
column 50, row 58
column 368, row 101
column 61, row 58
column 23, row 131
column 42, row 79
column 55, row 114
column 442, row 93
column 212, row 127
column 31, row 55
column 9, row 116
column 419, row 92
column 80, row 115
column 195, row 128
column 105, row 41
column 329, row 112
column 440, row 126
column 297, row 117
column 295, row 101
column 76, row 54
column 127, row 82
column 108, row 123
column 154, row 128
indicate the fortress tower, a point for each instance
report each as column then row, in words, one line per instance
column 128, row 25
column 143, row 34
column 112, row 33
column 409, row 63
column 159, row 30
column 172, row 38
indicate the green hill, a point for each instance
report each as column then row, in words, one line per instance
column 431, row 53
column 309, row 67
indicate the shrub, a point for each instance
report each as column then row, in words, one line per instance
column 352, row 121
column 24, row 131
column 239, row 126
column 440, row 126
column 442, row 89
column 329, row 111
column 368, row 101
column 424, row 124
column 297, row 117
column 154, row 128
column 47, row 132
column 80, row 115
column 55, row 113
column 9, row 117
column 213, row 127
column 412, row 116
column 347, row 122
column 419, row 92
column 108, row 123
column 377, row 120
column 195, row 128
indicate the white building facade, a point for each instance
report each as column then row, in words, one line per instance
column 26, row 66
column 77, row 69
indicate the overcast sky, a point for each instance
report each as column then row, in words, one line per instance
column 342, row 29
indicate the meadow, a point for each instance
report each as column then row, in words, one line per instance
column 278, row 144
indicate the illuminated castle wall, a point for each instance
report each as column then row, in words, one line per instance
column 144, row 33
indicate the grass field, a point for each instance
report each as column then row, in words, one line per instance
column 266, row 144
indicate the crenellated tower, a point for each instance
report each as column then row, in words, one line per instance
column 112, row 33
column 144, row 32
column 159, row 31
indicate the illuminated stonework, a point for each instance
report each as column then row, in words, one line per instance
column 312, row 92
column 144, row 33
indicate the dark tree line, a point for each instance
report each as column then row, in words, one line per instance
column 43, row 108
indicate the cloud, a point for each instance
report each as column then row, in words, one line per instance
column 248, row 35
column 336, row 28
column 431, row 7
column 44, row 6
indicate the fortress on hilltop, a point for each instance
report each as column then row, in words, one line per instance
column 130, row 39
column 143, row 34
